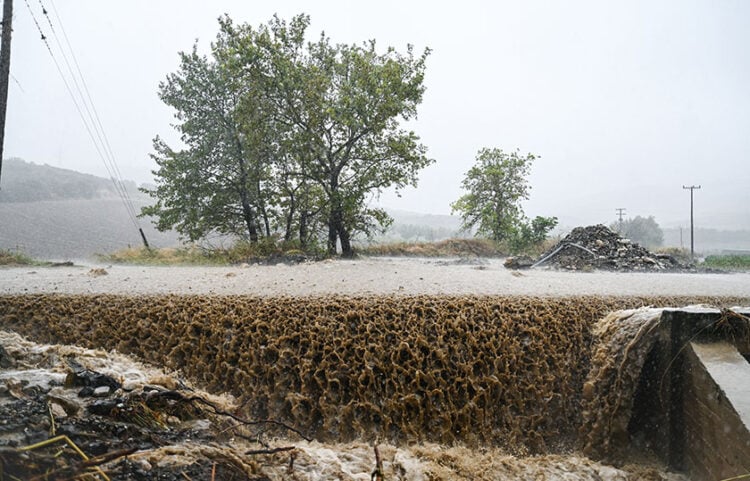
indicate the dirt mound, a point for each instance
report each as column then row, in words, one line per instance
column 598, row 247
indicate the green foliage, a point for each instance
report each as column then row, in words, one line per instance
column 643, row 230
column 9, row 258
column 530, row 234
column 496, row 185
column 287, row 137
column 732, row 262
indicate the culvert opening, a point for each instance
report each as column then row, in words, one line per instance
column 646, row 419
column 506, row 374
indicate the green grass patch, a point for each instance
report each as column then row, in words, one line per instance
column 9, row 258
column 730, row 262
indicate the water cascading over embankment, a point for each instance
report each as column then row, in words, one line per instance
column 500, row 371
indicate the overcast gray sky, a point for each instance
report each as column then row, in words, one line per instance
column 624, row 101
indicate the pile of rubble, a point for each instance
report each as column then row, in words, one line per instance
column 60, row 419
column 598, row 247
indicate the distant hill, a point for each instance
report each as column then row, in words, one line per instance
column 709, row 241
column 60, row 214
column 28, row 182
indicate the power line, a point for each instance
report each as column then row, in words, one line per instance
column 105, row 142
column 102, row 146
column 96, row 123
column 17, row 83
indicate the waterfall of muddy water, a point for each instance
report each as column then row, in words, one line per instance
column 191, row 444
column 492, row 371
column 622, row 342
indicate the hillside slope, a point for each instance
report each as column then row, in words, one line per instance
column 28, row 182
column 61, row 214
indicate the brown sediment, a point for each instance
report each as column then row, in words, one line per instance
column 499, row 371
column 623, row 340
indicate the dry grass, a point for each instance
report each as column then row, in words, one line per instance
column 165, row 256
column 194, row 255
column 444, row 248
column 8, row 258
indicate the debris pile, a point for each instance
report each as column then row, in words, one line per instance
column 73, row 413
column 598, row 247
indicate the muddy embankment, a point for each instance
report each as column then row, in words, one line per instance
column 506, row 372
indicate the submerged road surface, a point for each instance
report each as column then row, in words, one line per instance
column 367, row 276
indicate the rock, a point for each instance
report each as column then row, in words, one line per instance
column 518, row 262
column 103, row 407
column 6, row 360
column 58, row 396
column 102, row 391
column 57, row 411
column 80, row 376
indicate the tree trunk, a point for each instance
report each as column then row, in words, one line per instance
column 303, row 229
column 247, row 211
column 335, row 215
column 249, row 218
column 333, row 230
column 266, row 223
column 346, row 244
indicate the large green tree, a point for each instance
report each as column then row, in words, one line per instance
column 341, row 106
column 216, row 183
column 496, row 185
column 320, row 122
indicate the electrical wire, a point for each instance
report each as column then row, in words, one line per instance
column 101, row 146
column 96, row 117
column 17, row 83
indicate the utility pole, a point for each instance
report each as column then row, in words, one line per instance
column 620, row 213
column 4, row 70
column 692, row 237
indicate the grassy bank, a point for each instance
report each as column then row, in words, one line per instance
column 444, row 248
column 9, row 258
column 283, row 252
column 730, row 262
column 194, row 255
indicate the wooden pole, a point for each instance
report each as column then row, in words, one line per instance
column 692, row 232
column 5, row 70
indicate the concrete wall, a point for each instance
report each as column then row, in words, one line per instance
column 716, row 409
column 692, row 406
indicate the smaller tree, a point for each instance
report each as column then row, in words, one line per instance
column 643, row 230
column 496, row 185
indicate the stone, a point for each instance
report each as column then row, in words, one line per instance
column 102, row 391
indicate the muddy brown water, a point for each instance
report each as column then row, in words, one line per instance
column 425, row 376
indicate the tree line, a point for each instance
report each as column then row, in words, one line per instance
column 289, row 139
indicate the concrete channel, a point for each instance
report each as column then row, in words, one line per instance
column 693, row 399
